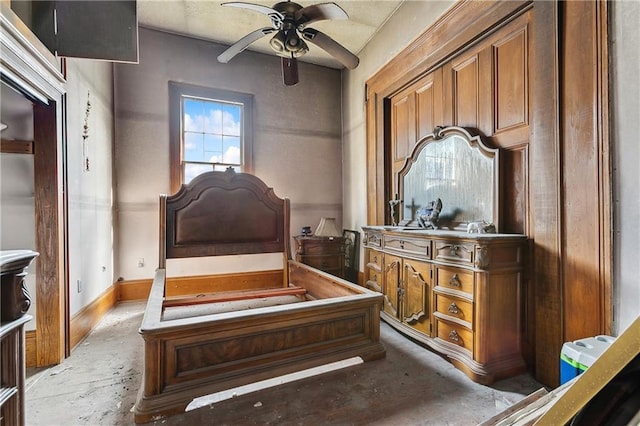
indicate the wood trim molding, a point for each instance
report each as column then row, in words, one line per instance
column 605, row 167
column 86, row 319
column 16, row 147
column 30, row 348
column 545, row 170
column 586, row 173
column 50, row 276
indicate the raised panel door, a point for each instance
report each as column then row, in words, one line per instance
column 391, row 284
column 511, row 86
column 416, row 298
column 403, row 133
column 425, row 107
column 465, row 92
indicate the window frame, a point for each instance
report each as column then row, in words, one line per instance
column 176, row 92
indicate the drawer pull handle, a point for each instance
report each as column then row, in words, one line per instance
column 454, row 336
column 375, row 259
column 453, row 308
column 402, row 245
column 455, row 281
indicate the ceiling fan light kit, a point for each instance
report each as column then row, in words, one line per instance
column 289, row 21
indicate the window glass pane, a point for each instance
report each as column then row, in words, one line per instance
column 193, row 170
column 213, row 148
column 232, row 119
column 213, row 118
column 193, row 147
column 231, row 150
column 193, row 115
column 213, row 143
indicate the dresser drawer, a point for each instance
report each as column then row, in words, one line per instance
column 372, row 239
column 374, row 260
column 455, row 307
column 454, row 279
column 451, row 251
column 374, row 282
column 408, row 246
column 455, row 334
column 328, row 247
column 322, row 262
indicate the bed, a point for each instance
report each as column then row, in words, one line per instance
column 257, row 325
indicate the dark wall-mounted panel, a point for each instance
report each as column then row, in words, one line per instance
column 98, row 29
column 105, row 30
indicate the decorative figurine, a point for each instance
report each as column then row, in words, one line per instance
column 481, row 227
column 428, row 216
column 393, row 207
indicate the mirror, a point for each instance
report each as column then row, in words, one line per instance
column 455, row 167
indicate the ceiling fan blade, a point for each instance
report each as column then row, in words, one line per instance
column 243, row 43
column 332, row 47
column 276, row 17
column 289, row 71
column 318, row 12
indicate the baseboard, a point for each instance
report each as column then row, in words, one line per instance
column 132, row 290
column 30, row 349
column 84, row 321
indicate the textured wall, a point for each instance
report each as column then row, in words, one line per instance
column 90, row 192
column 625, row 126
column 297, row 135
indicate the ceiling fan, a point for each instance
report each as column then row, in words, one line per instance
column 289, row 22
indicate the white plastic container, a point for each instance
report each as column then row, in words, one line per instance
column 579, row 355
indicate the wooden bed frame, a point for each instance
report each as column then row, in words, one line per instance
column 252, row 329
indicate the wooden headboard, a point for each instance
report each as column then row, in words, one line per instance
column 223, row 213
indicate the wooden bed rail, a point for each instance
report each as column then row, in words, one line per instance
column 232, row 296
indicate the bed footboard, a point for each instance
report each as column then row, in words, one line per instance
column 194, row 357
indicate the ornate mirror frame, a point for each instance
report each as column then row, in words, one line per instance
column 459, row 169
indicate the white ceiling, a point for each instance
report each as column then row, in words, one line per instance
column 208, row 20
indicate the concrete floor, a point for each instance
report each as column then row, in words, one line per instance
column 97, row 385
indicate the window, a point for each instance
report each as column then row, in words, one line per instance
column 210, row 130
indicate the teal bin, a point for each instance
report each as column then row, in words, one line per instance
column 579, row 355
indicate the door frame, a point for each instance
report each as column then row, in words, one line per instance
column 27, row 66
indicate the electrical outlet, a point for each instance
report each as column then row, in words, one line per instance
column 141, row 263
column 79, row 282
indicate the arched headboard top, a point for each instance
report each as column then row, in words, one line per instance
column 223, row 213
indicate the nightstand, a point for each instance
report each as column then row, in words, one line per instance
column 324, row 253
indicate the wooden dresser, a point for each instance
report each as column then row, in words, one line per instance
column 324, row 253
column 14, row 303
column 458, row 293
column 12, row 389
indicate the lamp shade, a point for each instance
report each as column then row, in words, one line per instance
column 327, row 228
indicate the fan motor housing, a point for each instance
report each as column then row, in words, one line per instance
column 287, row 7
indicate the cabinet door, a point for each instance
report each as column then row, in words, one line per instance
column 416, row 309
column 391, row 287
